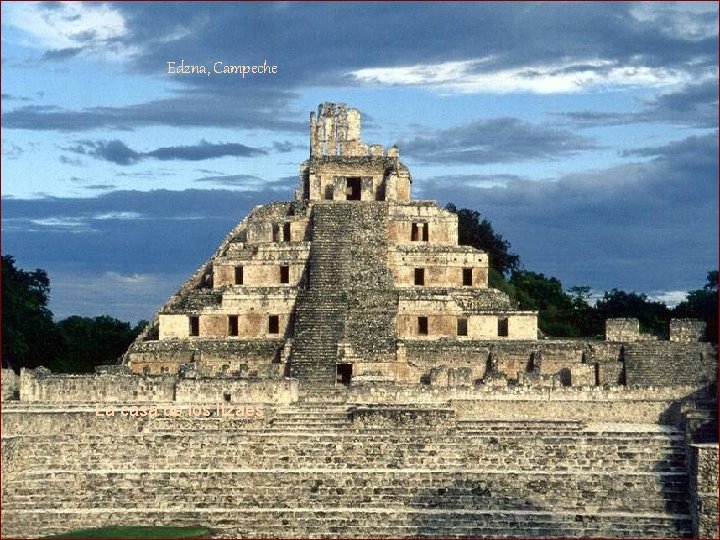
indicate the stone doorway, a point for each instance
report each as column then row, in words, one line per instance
column 343, row 374
column 353, row 189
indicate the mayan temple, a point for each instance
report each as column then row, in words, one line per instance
column 351, row 281
column 340, row 367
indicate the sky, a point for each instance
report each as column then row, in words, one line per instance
column 587, row 133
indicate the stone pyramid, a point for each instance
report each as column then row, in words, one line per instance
column 331, row 287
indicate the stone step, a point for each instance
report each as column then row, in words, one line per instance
column 332, row 522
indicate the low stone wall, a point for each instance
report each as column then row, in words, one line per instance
column 116, row 419
column 55, row 388
column 40, row 386
column 513, row 358
column 668, row 363
column 384, row 417
column 595, row 404
column 236, row 391
column 687, row 330
column 703, row 473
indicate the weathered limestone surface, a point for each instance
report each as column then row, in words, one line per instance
column 704, row 501
column 10, row 384
column 425, row 470
column 622, row 330
column 666, row 363
column 687, row 330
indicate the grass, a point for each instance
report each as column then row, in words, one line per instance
column 136, row 532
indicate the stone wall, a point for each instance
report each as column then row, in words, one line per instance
column 383, row 471
column 52, row 388
column 49, row 388
column 441, row 225
column 667, row 363
column 622, row 330
column 687, row 330
column 703, row 476
column 230, row 357
column 236, row 391
column 10, row 384
column 617, row 404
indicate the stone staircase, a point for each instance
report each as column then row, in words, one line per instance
column 321, row 309
column 312, row 474
column 350, row 296
column 313, row 417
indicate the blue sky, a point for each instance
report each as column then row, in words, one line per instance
column 586, row 132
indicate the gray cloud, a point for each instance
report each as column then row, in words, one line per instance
column 54, row 55
column 250, row 182
column 100, row 187
column 230, row 179
column 71, row 161
column 117, row 152
column 263, row 110
column 454, row 181
column 495, row 141
column 506, row 36
column 287, row 146
column 11, row 150
column 694, row 105
column 645, row 226
column 509, row 35
column 13, row 97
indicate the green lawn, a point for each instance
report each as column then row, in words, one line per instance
column 136, row 532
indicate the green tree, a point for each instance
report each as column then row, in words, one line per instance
column 29, row 336
column 535, row 291
column 476, row 231
column 585, row 316
column 702, row 304
column 654, row 316
column 90, row 342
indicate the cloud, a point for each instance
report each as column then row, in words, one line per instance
column 100, row 187
column 473, row 180
column 255, row 111
column 61, row 54
column 77, row 162
column 645, row 226
column 525, row 47
column 13, row 97
column 249, row 182
column 70, row 26
column 685, row 149
column 495, row 141
column 117, row 152
column 694, row 104
column 566, row 46
column 669, row 298
column 471, row 76
column 233, row 180
column 685, row 20
column 287, row 146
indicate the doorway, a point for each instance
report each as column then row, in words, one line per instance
column 343, row 374
column 353, row 189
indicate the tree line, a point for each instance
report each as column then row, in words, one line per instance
column 31, row 338
column 572, row 312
